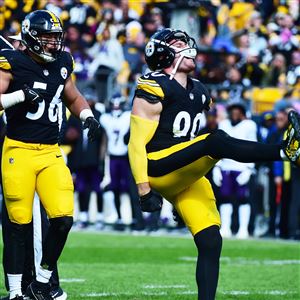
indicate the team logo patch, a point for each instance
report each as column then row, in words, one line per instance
column 191, row 96
column 149, row 49
column 25, row 26
column 11, row 160
column 63, row 72
column 46, row 72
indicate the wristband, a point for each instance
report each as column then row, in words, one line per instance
column 8, row 100
column 85, row 113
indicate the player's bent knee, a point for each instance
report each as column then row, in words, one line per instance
column 209, row 239
column 19, row 215
column 62, row 225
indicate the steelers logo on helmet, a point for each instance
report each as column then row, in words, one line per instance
column 150, row 48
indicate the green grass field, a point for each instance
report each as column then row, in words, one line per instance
column 111, row 266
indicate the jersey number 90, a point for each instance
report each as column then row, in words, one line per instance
column 184, row 125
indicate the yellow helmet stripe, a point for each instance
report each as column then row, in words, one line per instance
column 56, row 21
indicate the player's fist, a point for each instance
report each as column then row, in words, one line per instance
column 94, row 128
column 32, row 96
column 151, row 202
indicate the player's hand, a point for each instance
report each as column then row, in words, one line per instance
column 244, row 177
column 217, row 176
column 32, row 96
column 94, row 128
column 151, row 202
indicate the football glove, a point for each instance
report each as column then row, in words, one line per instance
column 32, row 96
column 217, row 176
column 94, row 128
column 151, row 202
column 244, row 177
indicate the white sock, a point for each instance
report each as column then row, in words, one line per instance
column 100, row 217
column 83, row 216
column 125, row 208
column 244, row 216
column 226, row 212
column 14, row 282
column 43, row 275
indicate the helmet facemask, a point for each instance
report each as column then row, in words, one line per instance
column 45, row 39
column 47, row 48
column 190, row 51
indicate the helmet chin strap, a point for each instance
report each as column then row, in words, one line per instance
column 186, row 52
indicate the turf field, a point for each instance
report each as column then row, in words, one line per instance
column 112, row 266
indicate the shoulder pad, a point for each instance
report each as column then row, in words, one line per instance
column 4, row 59
column 149, row 86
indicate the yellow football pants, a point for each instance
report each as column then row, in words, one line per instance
column 27, row 168
column 186, row 187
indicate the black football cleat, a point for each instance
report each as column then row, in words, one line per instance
column 38, row 291
column 292, row 141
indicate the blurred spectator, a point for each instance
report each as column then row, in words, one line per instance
column 251, row 69
column 80, row 14
column 108, row 59
column 286, row 40
column 276, row 174
column 233, row 177
column 257, row 32
column 86, row 161
column 275, row 74
column 133, row 48
column 293, row 72
column 78, row 48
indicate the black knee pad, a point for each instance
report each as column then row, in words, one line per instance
column 61, row 225
column 209, row 239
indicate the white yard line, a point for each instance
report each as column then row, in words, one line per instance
column 70, row 280
column 188, row 292
column 155, row 286
column 249, row 261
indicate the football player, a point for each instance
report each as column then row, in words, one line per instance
column 32, row 84
column 167, row 155
column 116, row 125
column 38, row 227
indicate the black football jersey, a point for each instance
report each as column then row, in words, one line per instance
column 35, row 124
column 182, row 108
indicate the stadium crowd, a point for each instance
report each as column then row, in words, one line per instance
column 248, row 57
